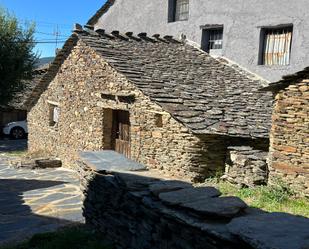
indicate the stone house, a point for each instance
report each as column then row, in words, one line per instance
column 157, row 100
column 289, row 136
column 231, row 29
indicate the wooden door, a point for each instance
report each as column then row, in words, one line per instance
column 122, row 132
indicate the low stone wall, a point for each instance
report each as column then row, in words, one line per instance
column 246, row 166
column 136, row 210
column 289, row 138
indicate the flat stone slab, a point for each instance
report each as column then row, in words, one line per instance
column 284, row 231
column 167, row 186
column 188, row 195
column 226, row 207
column 109, row 160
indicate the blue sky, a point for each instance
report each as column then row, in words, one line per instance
column 50, row 16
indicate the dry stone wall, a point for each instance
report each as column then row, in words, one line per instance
column 246, row 166
column 289, row 137
column 85, row 117
column 142, row 211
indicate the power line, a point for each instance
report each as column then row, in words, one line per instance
column 51, row 34
column 40, row 42
column 47, row 23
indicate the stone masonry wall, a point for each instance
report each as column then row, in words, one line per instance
column 246, row 166
column 84, row 115
column 289, row 138
column 143, row 211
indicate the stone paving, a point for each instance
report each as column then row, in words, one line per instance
column 35, row 201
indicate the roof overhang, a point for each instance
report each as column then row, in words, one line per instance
column 94, row 19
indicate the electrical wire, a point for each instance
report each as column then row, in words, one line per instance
column 51, row 34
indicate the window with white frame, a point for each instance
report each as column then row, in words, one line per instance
column 276, row 46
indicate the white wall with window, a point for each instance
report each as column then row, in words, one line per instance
column 276, row 46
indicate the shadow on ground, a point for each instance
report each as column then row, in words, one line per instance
column 13, row 145
column 17, row 220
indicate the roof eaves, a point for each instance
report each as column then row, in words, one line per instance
column 288, row 80
column 52, row 71
column 94, row 19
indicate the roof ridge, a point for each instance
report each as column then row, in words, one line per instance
column 100, row 12
column 115, row 34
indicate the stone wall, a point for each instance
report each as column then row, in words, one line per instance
column 141, row 211
column 289, row 138
column 81, row 88
column 246, row 166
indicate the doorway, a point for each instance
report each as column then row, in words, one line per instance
column 120, row 135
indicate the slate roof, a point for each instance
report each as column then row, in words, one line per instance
column 93, row 20
column 207, row 96
column 51, row 72
column 288, row 80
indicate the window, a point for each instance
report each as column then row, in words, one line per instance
column 178, row 10
column 159, row 120
column 276, row 46
column 54, row 112
column 212, row 39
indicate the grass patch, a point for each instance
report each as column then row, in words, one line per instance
column 68, row 238
column 276, row 198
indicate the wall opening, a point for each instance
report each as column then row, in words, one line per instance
column 212, row 39
column 116, row 128
column 275, row 45
column 178, row 10
column 159, row 120
column 54, row 113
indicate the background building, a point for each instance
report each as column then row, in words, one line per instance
column 270, row 38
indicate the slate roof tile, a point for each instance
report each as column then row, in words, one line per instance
column 187, row 81
column 206, row 95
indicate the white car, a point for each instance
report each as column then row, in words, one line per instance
column 16, row 130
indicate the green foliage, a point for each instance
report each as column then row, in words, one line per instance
column 277, row 197
column 16, row 57
column 76, row 237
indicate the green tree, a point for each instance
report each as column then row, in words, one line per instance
column 17, row 59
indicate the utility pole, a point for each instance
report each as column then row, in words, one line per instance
column 56, row 33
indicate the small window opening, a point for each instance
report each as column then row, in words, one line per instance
column 108, row 96
column 127, row 99
column 275, row 46
column 54, row 112
column 159, row 120
column 212, row 40
column 178, row 10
